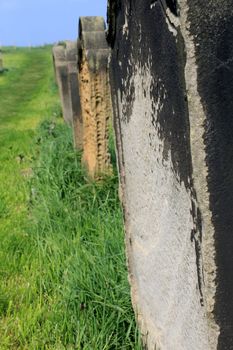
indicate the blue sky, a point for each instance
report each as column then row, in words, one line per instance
column 35, row 22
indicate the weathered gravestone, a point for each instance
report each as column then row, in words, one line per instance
column 72, row 66
column 66, row 71
column 94, row 94
column 1, row 63
column 172, row 86
column 61, row 72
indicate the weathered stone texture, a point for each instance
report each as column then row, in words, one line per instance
column 72, row 66
column 94, row 94
column 1, row 63
column 66, row 71
column 172, row 83
column 61, row 71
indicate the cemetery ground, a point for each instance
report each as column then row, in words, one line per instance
column 63, row 278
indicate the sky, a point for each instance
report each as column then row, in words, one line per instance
column 38, row 22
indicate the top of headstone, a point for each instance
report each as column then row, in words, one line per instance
column 59, row 53
column 91, row 24
column 71, row 50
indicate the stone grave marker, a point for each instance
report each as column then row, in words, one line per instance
column 72, row 66
column 1, row 63
column 94, row 94
column 61, row 72
column 172, row 84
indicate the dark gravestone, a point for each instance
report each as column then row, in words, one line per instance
column 172, row 84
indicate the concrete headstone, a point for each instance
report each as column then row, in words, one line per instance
column 94, row 94
column 172, row 84
column 72, row 66
column 1, row 63
column 61, row 72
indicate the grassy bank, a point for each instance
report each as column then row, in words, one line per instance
column 63, row 281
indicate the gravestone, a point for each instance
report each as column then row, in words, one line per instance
column 72, row 66
column 94, row 94
column 66, row 71
column 1, row 63
column 61, row 73
column 172, row 83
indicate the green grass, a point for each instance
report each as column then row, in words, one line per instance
column 63, row 278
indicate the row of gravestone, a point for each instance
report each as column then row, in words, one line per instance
column 82, row 76
column 171, row 80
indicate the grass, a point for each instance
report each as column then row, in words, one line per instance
column 63, row 280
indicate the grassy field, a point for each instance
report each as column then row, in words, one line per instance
column 63, row 281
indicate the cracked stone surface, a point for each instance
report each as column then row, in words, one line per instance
column 172, row 83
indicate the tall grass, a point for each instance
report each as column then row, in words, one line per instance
column 78, row 264
column 63, row 278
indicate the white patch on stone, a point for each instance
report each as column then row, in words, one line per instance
column 200, row 173
column 126, row 24
column 173, row 19
column 162, row 258
column 152, row 5
column 172, row 22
